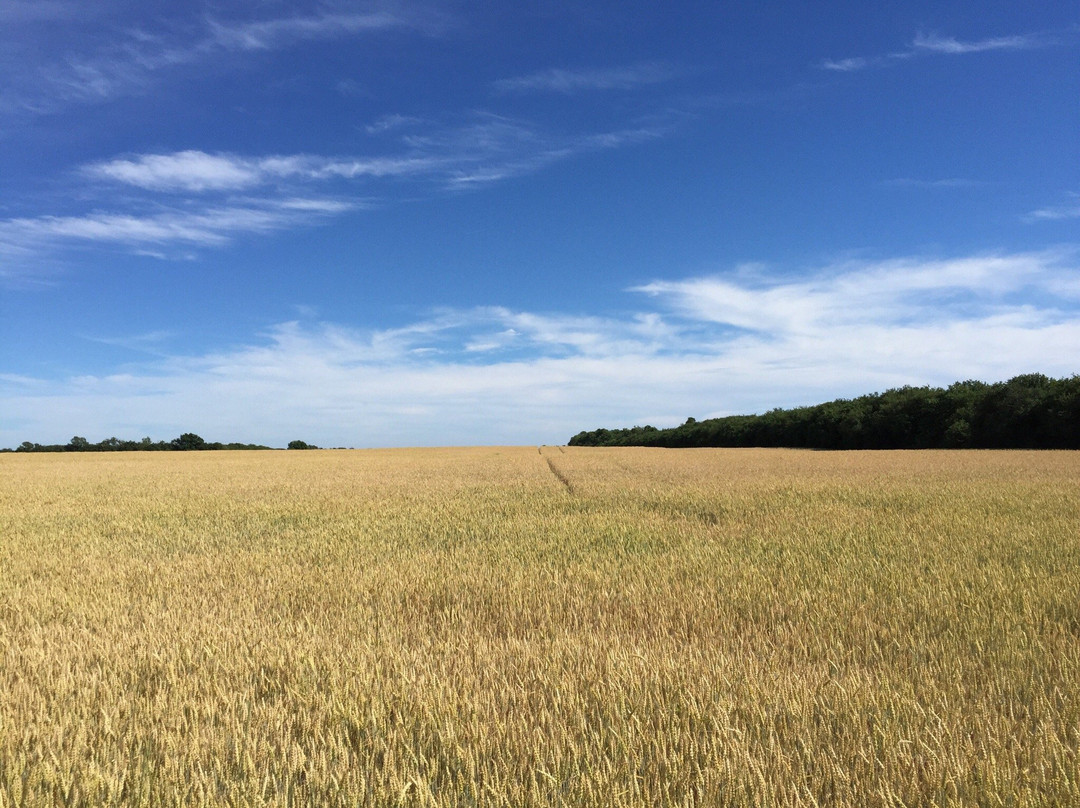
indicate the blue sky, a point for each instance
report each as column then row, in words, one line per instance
column 389, row 224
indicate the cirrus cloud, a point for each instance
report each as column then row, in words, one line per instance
column 927, row 44
column 128, row 64
column 559, row 80
column 204, row 227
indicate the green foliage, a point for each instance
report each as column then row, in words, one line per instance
column 189, row 441
column 1026, row 412
column 299, row 444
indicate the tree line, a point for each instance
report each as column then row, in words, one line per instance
column 187, row 442
column 1026, row 412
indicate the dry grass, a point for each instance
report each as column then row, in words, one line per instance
column 572, row 627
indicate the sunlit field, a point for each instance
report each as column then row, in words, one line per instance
column 516, row 627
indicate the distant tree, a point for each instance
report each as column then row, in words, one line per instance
column 299, row 444
column 187, row 442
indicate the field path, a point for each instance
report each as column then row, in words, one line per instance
column 559, row 474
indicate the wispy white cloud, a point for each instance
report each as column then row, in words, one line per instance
column 928, row 44
column 1068, row 210
column 272, row 33
column 128, row 65
column 204, row 227
column 394, row 122
column 951, row 45
column 484, row 150
column 884, row 294
column 944, row 183
column 586, row 79
column 194, row 202
column 706, row 346
column 152, row 343
column 197, row 171
column 82, row 80
column 188, row 170
column 496, row 148
column 848, row 65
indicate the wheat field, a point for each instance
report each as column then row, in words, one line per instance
column 524, row 627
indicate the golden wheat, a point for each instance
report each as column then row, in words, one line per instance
column 509, row 627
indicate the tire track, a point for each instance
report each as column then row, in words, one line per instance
column 562, row 478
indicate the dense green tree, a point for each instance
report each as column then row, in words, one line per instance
column 1030, row 411
column 187, row 442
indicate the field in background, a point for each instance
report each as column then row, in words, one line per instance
column 518, row 627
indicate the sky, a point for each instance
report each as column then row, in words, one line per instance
column 472, row 223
